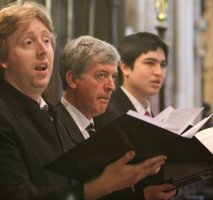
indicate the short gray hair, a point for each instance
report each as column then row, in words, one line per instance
column 81, row 53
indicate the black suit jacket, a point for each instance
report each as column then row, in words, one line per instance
column 28, row 141
column 74, row 137
column 118, row 105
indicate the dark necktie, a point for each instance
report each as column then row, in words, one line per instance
column 147, row 113
column 45, row 107
column 91, row 129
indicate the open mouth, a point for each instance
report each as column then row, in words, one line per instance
column 156, row 81
column 41, row 67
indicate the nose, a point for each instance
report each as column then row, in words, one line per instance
column 41, row 49
column 110, row 84
column 158, row 70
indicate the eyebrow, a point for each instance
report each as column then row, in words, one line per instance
column 155, row 60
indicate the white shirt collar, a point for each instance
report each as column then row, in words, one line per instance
column 138, row 106
column 81, row 121
column 43, row 105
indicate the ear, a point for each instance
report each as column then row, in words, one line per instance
column 71, row 80
column 125, row 69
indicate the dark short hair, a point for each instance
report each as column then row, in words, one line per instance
column 132, row 46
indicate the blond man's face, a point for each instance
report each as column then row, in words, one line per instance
column 29, row 64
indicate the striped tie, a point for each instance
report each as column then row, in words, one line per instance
column 91, row 129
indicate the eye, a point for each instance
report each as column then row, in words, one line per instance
column 163, row 65
column 101, row 75
column 47, row 40
column 27, row 42
column 115, row 77
column 151, row 63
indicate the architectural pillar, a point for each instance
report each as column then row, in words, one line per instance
column 184, row 54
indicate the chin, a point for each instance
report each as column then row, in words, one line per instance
column 41, row 87
column 42, row 83
column 99, row 112
column 152, row 93
column 155, row 90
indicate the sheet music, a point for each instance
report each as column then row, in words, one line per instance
column 192, row 131
column 179, row 119
column 175, row 121
column 143, row 117
column 151, row 120
column 163, row 115
column 206, row 138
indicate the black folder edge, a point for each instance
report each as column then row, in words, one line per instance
column 87, row 153
column 190, row 169
column 206, row 174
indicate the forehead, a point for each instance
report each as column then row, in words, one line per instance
column 111, row 67
column 158, row 53
column 30, row 27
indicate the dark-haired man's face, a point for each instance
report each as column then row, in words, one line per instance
column 147, row 75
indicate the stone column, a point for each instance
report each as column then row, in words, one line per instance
column 208, row 56
column 184, row 54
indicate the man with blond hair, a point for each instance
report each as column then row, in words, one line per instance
column 28, row 135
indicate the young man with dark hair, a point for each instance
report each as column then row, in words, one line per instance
column 141, row 74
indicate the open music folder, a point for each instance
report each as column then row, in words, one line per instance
column 188, row 159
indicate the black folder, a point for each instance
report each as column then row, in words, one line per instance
column 188, row 160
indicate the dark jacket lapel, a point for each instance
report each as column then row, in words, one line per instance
column 69, row 124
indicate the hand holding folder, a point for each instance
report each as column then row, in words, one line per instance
column 188, row 160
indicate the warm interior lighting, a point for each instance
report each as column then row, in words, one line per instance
column 161, row 8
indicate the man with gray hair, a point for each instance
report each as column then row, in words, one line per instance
column 29, row 138
column 88, row 69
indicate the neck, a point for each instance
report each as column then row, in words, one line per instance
column 74, row 102
column 140, row 98
column 35, row 95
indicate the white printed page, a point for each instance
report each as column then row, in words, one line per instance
column 151, row 120
column 164, row 115
column 179, row 119
column 175, row 121
column 192, row 131
column 206, row 138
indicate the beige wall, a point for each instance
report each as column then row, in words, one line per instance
column 208, row 56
